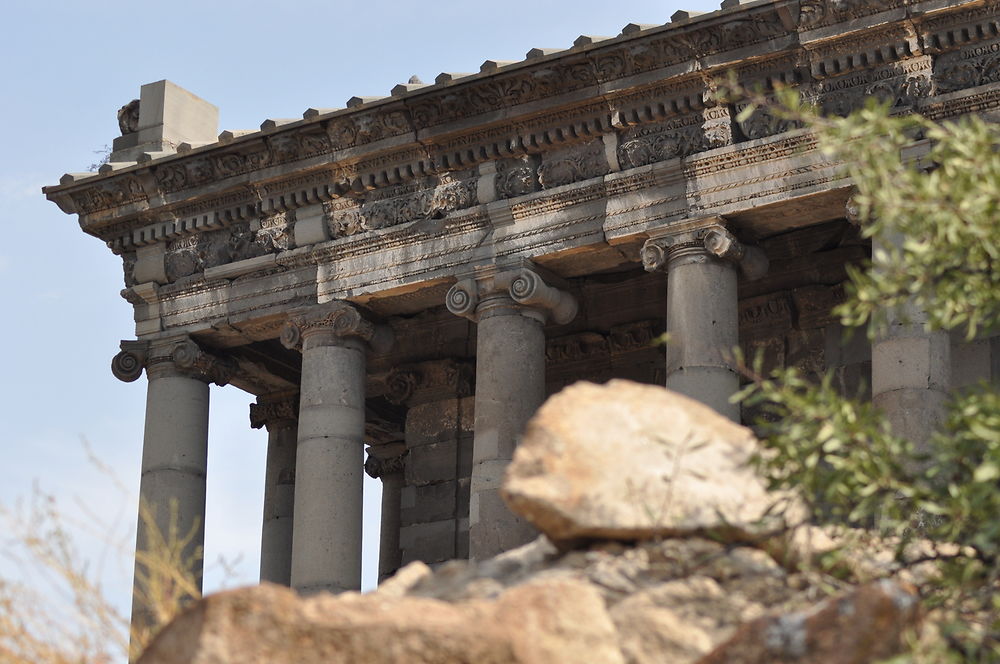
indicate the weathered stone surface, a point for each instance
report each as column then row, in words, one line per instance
column 866, row 625
column 536, row 623
column 628, row 461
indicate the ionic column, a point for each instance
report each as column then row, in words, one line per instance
column 510, row 309
column 326, row 537
column 702, row 312
column 387, row 465
column 279, row 414
column 911, row 370
column 174, row 461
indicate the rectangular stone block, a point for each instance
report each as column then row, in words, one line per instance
column 428, row 542
column 432, row 422
column 814, row 305
column 436, row 462
column 431, row 502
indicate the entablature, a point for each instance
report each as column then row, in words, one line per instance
column 567, row 158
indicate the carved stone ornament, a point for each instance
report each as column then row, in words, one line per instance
column 376, row 467
column 343, row 320
column 429, row 381
column 128, row 117
column 267, row 411
column 714, row 240
column 525, row 287
column 189, row 358
column 128, row 364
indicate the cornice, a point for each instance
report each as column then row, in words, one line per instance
column 518, row 131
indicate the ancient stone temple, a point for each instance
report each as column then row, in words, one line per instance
column 416, row 273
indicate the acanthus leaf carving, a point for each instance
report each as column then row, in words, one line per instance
column 517, row 177
column 580, row 162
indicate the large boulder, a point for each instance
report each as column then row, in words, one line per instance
column 540, row 622
column 628, row 461
column 866, row 625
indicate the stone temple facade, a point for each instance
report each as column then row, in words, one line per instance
column 416, row 273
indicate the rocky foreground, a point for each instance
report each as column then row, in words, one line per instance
column 657, row 546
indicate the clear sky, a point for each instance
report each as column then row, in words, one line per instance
column 66, row 67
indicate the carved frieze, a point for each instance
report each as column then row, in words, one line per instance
column 817, row 13
column 584, row 346
column 109, row 194
column 348, row 131
column 191, row 254
column 678, row 137
column 517, row 177
column 445, row 194
column 632, row 336
column 968, row 68
column 573, row 164
column 900, row 85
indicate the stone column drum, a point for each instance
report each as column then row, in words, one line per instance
column 911, row 370
column 326, row 538
column 510, row 309
column 279, row 414
column 174, row 463
column 702, row 311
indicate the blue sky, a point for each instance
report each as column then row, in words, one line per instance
column 66, row 68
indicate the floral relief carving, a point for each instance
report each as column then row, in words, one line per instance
column 120, row 191
column 967, row 69
column 580, row 162
column 192, row 254
column 517, row 177
column 680, row 137
column 430, row 202
column 813, row 13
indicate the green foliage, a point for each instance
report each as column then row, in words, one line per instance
column 928, row 194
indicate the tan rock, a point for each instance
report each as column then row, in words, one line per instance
column 865, row 625
column 629, row 461
column 537, row 623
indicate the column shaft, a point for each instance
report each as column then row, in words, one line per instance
column 279, row 503
column 703, row 329
column 389, row 558
column 172, row 488
column 911, row 375
column 326, row 539
column 510, row 387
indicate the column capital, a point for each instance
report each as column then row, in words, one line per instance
column 336, row 322
column 190, row 360
column 377, row 466
column 701, row 243
column 274, row 410
column 522, row 290
column 166, row 357
column 413, row 384
column 128, row 364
